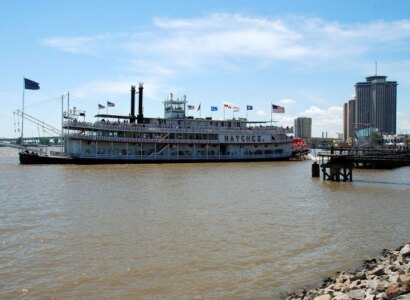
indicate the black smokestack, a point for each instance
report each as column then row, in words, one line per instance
column 132, row 118
column 140, row 117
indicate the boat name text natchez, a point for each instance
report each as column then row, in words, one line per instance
column 174, row 138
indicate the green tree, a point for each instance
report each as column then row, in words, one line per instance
column 44, row 141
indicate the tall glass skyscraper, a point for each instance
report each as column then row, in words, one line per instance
column 376, row 104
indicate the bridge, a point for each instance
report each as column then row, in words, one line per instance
column 16, row 142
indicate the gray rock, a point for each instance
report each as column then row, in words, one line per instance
column 356, row 295
column 378, row 271
column 323, row 297
column 341, row 297
column 359, row 276
column 405, row 250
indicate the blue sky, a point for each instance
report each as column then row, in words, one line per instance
column 303, row 55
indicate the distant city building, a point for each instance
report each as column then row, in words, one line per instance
column 349, row 120
column 303, row 128
column 345, row 121
column 374, row 106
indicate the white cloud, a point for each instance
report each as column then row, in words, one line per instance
column 223, row 39
column 325, row 120
column 115, row 88
column 261, row 113
column 287, row 101
column 84, row 44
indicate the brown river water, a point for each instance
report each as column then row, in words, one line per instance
column 189, row 231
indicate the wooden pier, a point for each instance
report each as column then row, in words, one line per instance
column 339, row 163
column 336, row 167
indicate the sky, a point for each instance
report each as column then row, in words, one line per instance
column 303, row 55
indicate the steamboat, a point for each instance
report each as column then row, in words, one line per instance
column 176, row 137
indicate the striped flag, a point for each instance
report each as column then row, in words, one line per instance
column 235, row 109
column 278, row 109
column 226, row 105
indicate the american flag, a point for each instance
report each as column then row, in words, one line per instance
column 227, row 105
column 278, row 109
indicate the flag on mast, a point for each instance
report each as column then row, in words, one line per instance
column 101, row 106
column 249, row 107
column 110, row 104
column 31, row 85
column 278, row 109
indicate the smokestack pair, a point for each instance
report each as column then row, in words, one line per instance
column 140, row 117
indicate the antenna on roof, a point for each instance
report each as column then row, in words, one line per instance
column 376, row 67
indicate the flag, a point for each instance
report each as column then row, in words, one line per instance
column 249, row 107
column 199, row 107
column 31, row 85
column 214, row 108
column 278, row 109
column 110, row 104
column 191, row 107
column 235, row 109
column 227, row 105
column 101, row 106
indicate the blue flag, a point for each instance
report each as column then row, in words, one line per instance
column 31, row 85
column 214, row 108
column 249, row 107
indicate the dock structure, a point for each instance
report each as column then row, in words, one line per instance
column 339, row 163
column 375, row 158
column 336, row 167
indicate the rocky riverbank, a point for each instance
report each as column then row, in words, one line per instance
column 384, row 278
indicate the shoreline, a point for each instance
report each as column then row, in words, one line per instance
column 386, row 277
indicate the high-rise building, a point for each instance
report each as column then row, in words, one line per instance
column 376, row 104
column 349, row 120
column 345, row 120
column 303, row 127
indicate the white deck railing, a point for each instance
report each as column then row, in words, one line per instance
column 158, row 140
column 159, row 128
